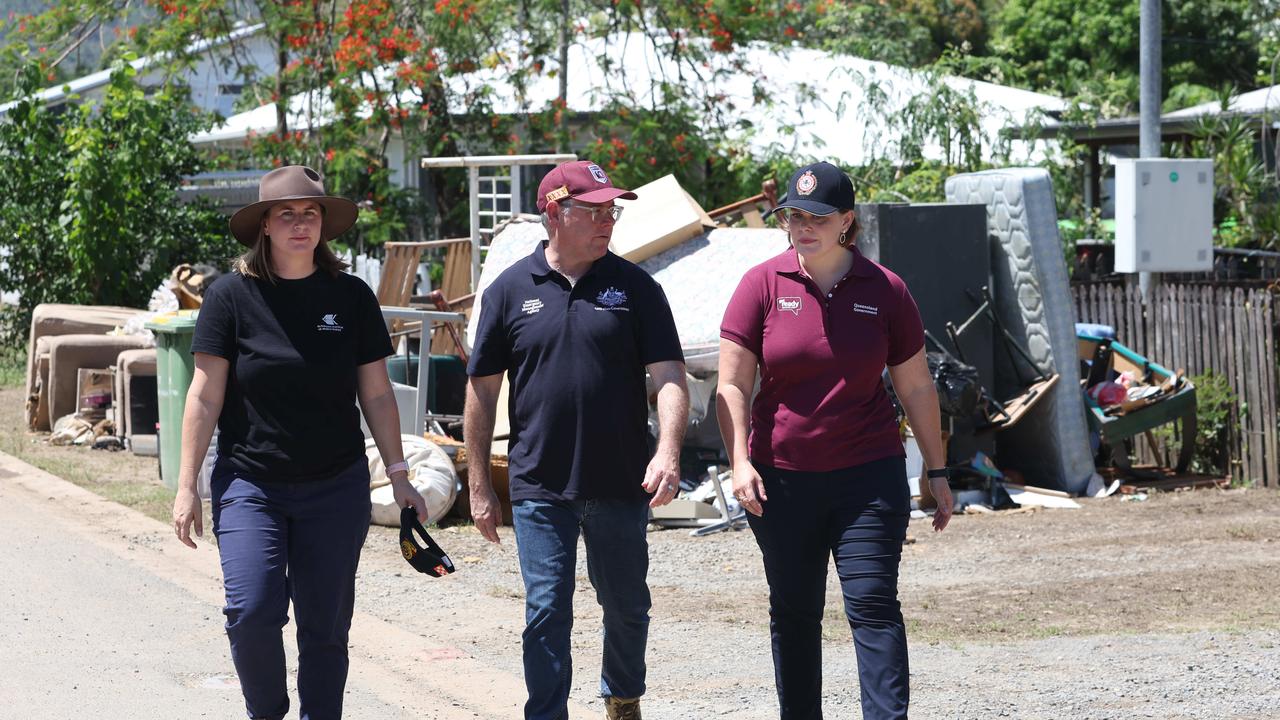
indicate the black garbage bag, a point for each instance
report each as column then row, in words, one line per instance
column 959, row 391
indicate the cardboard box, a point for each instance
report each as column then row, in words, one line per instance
column 93, row 392
column 661, row 217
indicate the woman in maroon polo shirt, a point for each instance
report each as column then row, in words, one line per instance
column 823, row 471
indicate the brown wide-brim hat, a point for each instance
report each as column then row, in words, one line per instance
column 293, row 182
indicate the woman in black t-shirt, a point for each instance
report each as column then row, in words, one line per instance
column 283, row 348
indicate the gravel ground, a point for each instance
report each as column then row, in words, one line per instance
column 1161, row 609
column 1168, row 608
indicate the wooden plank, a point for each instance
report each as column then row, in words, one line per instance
column 1264, row 420
column 1259, row 385
column 1141, row 316
column 1222, row 301
column 1256, row 449
column 1269, row 364
column 1183, row 306
column 1106, row 307
column 1208, row 330
column 1258, row 311
column 1245, row 369
column 1192, row 337
column 1240, row 381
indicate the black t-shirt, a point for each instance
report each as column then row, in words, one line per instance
column 575, row 357
column 290, row 412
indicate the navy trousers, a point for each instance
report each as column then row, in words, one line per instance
column 858, row 516
column 282, row 542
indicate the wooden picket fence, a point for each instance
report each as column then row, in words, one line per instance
column 1200, row 327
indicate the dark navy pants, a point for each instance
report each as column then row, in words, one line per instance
column 282, row 542
column 858, row 516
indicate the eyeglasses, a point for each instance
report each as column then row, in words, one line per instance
column 791, row 216
column 613, row 211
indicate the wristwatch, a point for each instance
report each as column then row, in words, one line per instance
column 941, row 472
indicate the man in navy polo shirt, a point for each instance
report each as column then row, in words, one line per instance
column 575, row 327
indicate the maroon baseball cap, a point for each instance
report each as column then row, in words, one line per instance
column 579, row 180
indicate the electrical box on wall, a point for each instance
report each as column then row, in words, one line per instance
column 1164, row 215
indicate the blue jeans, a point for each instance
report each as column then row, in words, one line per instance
column 290, row 541
column 617, row 564
column 858, row 516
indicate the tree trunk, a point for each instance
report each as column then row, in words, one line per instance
column 562, row 140
column 282, row 97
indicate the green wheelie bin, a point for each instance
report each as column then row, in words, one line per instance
column 174, row 368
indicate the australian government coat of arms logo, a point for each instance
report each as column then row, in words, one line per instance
column 611, row 299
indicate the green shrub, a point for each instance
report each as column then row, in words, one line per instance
column 91, row 212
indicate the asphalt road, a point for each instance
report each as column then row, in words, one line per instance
column 106, row 616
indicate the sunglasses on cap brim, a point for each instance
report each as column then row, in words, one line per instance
column 427, row 558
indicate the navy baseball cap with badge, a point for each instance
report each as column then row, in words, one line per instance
column 427, row 558
column 818, row 189
column 579, row 180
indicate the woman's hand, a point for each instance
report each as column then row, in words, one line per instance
column 748, row 488
column 941, row 492
column 186, row 512
column 406, row 494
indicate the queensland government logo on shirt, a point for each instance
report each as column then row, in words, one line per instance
column 866, row 309
column 612, row 299
column 329, row 323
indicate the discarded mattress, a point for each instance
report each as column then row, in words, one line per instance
column 430, row 472
column 1029, row 283
column 698, row 277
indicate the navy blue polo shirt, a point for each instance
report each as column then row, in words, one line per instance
column 575, row 358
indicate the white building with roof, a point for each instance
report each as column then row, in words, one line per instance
column 216, row 76
column 789, row 100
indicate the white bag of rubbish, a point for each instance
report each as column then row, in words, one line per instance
column 430, row 472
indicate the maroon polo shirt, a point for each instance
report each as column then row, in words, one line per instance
column 822, row 405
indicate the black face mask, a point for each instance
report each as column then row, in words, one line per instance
column 431, row 559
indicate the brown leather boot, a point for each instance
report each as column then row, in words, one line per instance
column 616, row 708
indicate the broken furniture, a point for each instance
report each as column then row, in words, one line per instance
column 1035, row 384
column 1050, row 445
column 749, row 210
column 50, row 319
column 59, row 359
column 412, row 401
column 661, row 217
column 136, row 411
column 698, row 277
column 1156, row 396
column 910, row 240
column 496, row 184
column 692, row 511
column 400, row 273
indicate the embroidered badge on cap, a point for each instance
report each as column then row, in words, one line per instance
column 558, row 193
column 598, row 174
column 807, row 183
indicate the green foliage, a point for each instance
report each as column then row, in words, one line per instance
column 425, row 71
column 1215, row 415
column 13, row 358
column 1090, row 47
column 1246, row 193
column 99, row 220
